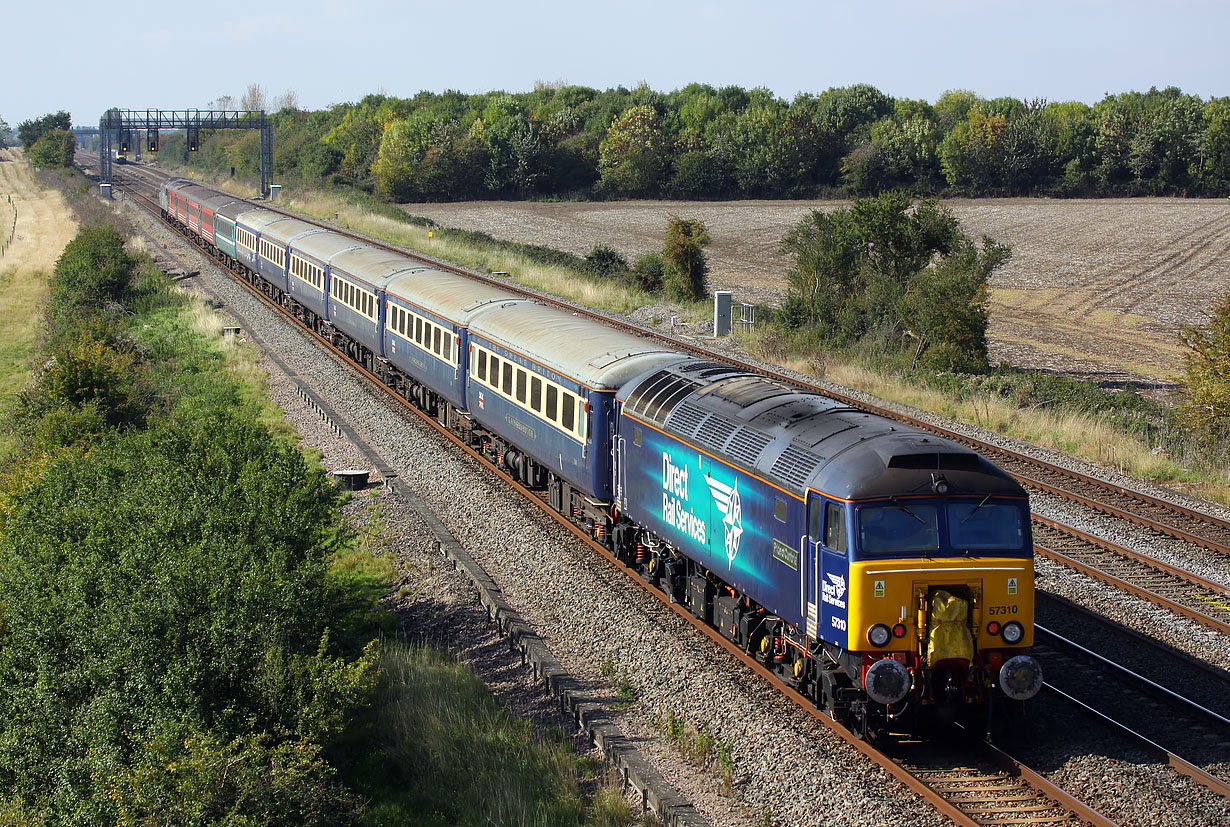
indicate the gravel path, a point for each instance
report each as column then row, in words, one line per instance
column 788, row 768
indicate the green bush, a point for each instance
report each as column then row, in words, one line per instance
column 93, row 269
column 648, row 271
column 606, row 262
column 174, row 575
column 86, row 384
column 685, row 274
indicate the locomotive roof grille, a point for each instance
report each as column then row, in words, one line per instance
column 715, row 431
column 747, row 444
column 686, row 419
column 668, row 400
column 656, row 397
column 796, row 464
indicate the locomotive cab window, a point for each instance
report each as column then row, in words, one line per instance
column 984, row 526
column 899, row 527
column 779, row 510
column 835, row 528
column 636, row 437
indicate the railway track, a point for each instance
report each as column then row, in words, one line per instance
column 984, row 786
column 1172, row 588
column 1179, row 731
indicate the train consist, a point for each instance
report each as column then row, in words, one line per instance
column 883, row 572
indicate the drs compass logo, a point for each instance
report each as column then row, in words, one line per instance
column 726, row 498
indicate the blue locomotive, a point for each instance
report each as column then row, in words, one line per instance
column 881, row 571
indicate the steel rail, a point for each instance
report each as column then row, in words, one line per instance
column 1072, row 810
column 1205, row 592
column 1197, row 714
column 1180, row 765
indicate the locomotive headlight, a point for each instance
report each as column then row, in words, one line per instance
column 1013, row 632
column 887, row 681
column 879, row 635
column 1020, row 677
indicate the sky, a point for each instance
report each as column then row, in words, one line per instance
column 179, row 55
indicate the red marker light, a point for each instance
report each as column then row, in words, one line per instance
column 899, row 630
column 993, row 628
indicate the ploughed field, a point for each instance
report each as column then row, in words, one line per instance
column 1096, row 288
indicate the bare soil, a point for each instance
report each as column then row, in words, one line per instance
column 1096, row 288
column 44, row 226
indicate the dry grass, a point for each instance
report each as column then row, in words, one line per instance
column 44, row 227
column 1070, row 433
column 557, row 281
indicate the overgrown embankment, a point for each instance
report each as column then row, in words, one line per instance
column 189, row 634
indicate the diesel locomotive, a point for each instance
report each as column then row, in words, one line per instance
column 884, row 572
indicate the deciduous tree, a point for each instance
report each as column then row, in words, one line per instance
column 1207, row 363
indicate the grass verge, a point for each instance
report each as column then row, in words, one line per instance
column 440, row 751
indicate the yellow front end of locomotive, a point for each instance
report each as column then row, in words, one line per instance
column 898, row 594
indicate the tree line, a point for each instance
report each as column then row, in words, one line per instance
column 703, row 141
column 48, row 141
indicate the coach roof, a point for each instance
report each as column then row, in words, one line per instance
column 586, row 351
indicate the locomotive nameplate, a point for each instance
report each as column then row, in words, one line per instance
column 785, row 554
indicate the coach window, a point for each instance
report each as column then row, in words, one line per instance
column 521, row 386
column 508, row 379
column 779, row 509
column 494, row 374
column 568, row 412
column 552, row 399
column 434, row 346
column 482, row 365
column 834, row 527
column 418, row 329
column 536, row 394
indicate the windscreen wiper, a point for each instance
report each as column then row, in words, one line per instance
column 980, row 505
column 894, row 501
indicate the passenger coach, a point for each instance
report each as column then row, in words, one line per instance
column 545, row 380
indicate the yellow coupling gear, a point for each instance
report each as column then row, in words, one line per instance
column 798, row 669
column 948, row 634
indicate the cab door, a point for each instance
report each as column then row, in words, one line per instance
column 811, row 564
column 834, row 575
